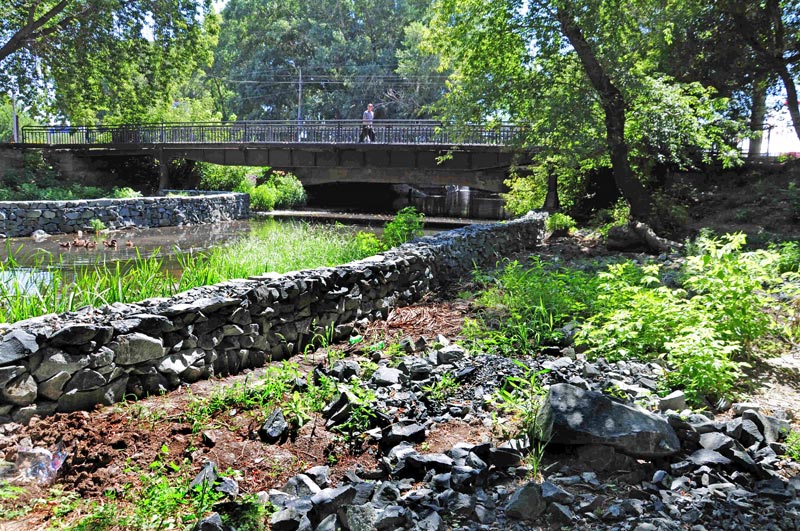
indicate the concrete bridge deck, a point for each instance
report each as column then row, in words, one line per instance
column 417, row 152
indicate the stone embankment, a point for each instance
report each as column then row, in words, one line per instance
column 19, row 219
column 73, row 361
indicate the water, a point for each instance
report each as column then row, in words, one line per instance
column 166, row 241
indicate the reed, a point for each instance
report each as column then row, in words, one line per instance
column 273, row 246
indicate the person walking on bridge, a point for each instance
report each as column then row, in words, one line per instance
column 366, row 125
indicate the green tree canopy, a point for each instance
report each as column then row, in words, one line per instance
column 89, row 59
column 582, row 76
column 348, row 53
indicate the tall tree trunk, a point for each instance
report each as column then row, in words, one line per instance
column 551, row 201
column 791, row 97
column 613, row 104
column 758, row 112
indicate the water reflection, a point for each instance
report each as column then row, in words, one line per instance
column 24, row 280
column 166, row 241
column 458, row 201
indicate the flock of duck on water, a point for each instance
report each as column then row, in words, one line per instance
column 81, row 242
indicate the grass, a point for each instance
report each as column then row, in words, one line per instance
column 272, row 246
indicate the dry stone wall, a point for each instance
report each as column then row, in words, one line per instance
column 18, row 219
column 101, row 355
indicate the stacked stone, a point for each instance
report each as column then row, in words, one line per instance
column 18, row 219
column 95, row 356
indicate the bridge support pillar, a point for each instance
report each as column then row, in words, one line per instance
column 163, row 172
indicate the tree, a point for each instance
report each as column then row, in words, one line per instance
column 86, row 59
column 574, row 72
column 345, row 53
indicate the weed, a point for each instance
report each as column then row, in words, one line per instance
column 792, row 444
column 442, row 388
column 97, row 225
column 559, row 222
column 406, row 225
column 521, row 397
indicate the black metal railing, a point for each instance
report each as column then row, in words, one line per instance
column 324, row 132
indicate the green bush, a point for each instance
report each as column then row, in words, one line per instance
column 125, row 193
column 263, row 197
column 559, row 221
column 226, row 178
column 290, row 191
column 369, row 244
column 405, row 226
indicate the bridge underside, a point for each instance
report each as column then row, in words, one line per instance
column 479, row 167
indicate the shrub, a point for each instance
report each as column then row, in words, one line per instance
column 290, row 191
column 368, row 243
column 226, row 178
column 125, row 193
column 263, row 197
column 560, row 222
column 406, row 226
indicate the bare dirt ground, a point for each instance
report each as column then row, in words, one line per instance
column 108, row 448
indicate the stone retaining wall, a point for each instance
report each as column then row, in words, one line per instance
column 18, row 218
column 76, row 360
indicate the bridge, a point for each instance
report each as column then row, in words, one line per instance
column 414, row 152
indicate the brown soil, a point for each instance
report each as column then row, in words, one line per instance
column 109, row 448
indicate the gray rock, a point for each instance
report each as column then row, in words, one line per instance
column 396, row 433
column 386, row 494
column 21, row 392
column 343, row 370
column 560, row 514
column 207, row 475
column 526, row 503
column 385, row 376
column 80, row 334
column 301, row 485
column 716, row 441
column 211, row 523
column 708, row 457
column 432, row 522
column 228, row 486
column 392, row 517
column 135, row 348
column 676, row 401
column 275, row 428
column 327, row 501
column 55, row 361
column 9, row 373
column 419, row 464
column 321, row 475
column 85, row 400
column 571, row 415
column 360, row 517
column 450, row 354
column 85, row 380
column 16, row 345
column 53, row 388
column 554, row 493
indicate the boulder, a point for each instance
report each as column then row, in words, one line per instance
column 571, row 415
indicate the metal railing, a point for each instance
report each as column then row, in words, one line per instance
column 323, row 132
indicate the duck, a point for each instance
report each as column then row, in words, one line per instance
column 91, row 245
column 112, row 244
column 78, row 243
column 65, row 244
column 129, row 243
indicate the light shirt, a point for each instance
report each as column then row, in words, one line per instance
column 367, row 118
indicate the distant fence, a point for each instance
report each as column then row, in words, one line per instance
column 323, row 132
